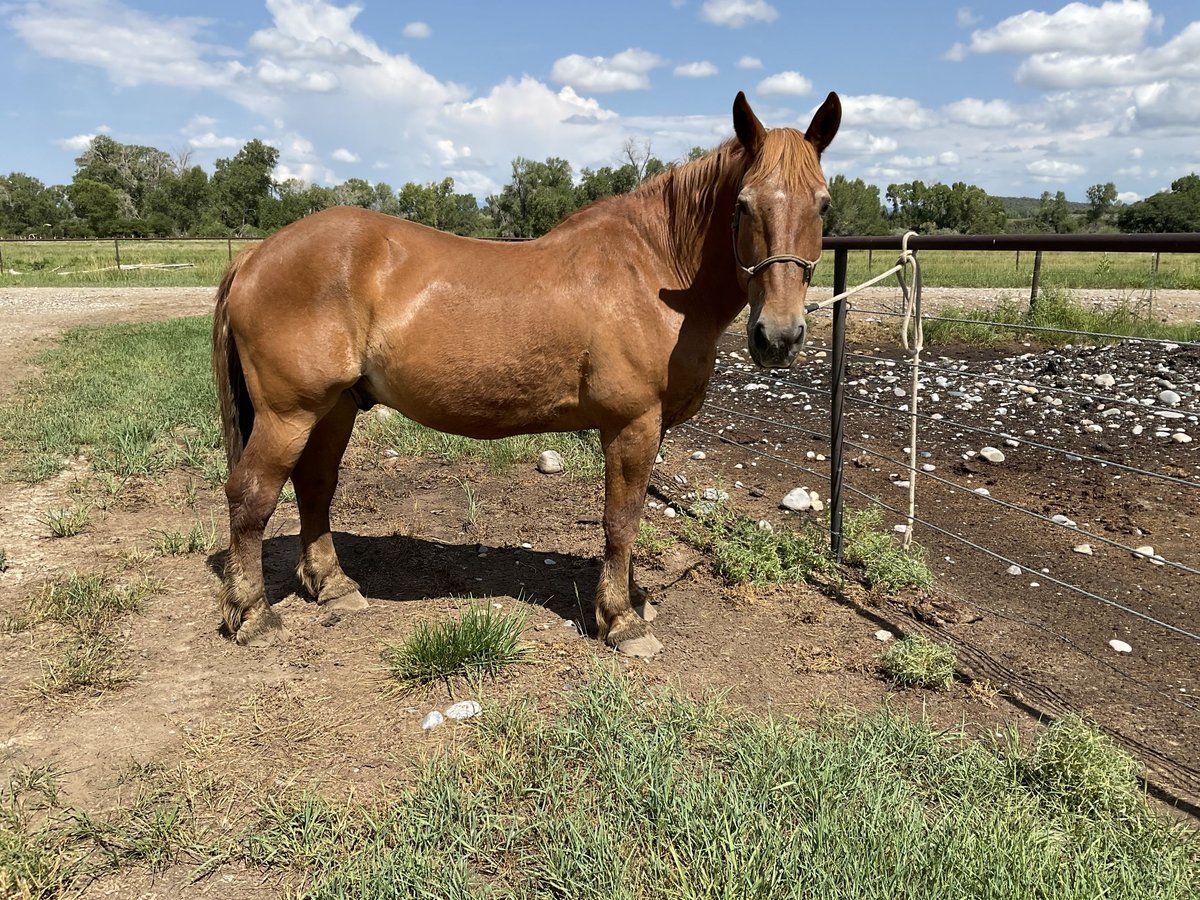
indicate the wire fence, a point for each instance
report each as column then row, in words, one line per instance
column 768, row 424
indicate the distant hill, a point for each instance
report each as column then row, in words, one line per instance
column 1027, row 207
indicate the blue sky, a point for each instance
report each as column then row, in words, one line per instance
column 1016, row 97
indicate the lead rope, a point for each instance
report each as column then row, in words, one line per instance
column 912, row 337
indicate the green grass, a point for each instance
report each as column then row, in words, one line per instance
column 87, row 609
column 917, row 661
column 884, row 563
column 633, row 793
column 200, row 538
column 743, row 553
column 1054, row 309
column 138, row 398
column 580, row 450
column 481, row 641
column 67, row 522
column 93, row 263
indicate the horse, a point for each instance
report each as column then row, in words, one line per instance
column 610, row 321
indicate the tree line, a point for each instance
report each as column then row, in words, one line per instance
column 128, row 190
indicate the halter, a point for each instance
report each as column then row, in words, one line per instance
column 808, row 265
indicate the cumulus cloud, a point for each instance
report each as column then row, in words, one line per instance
column 965, row 17
column 80, row 142
column 1113, row 26
column 981, row 113
column 1054, row 170
column 210, row 140
column 626, row 71
column 701, row 69
column 736, row 13
column 749, row 62
column 785, row 83
column 417, row 30
column 341, row 154
column 880, row 110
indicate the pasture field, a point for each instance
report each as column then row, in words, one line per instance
column 771, row 751
column 93, row 263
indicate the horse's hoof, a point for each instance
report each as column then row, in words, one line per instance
column 647, row 611
column 351, row 602
column 262, row 629
column 644, row 646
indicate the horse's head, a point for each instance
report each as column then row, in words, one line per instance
column 777, row 225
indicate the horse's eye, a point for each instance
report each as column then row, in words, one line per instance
column 743, row 207
column 824, row 205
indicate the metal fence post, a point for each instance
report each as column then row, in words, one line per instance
column 841, row 260
column 1037, row 277
column 117, row 250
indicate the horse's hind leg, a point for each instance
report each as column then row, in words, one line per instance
column 315, row 479
column 628, row 460
column 253, row 491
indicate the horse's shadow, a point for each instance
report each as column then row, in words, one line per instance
column 401, row 568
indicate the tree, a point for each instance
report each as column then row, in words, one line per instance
column 293, row 200
column 1101, row 200
column 27, row 206
column 241, row 185
column 605, row 182
column 960, row 207
column 134, row 171
column 437, row 205
column 854, row 208
column 536, row 199
column 99, row 205
column 1175, row 210
column 645, row 164
column 177, row 205
column 1054, row 214
column 354, row 192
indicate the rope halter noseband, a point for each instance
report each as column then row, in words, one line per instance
column 808, row 265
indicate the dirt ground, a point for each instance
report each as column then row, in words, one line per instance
column 318, row 711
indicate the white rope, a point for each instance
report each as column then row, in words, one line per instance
column 912, row 336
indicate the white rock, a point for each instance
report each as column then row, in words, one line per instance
column 1120, row 646
column 699, row 454
column 669, row 512
column 1060, row 519
column 1180, row 438
column 992, row 455
column 883, row 635
column 1085, row 549
column 797, row 499
column 982, row 492
column 1144, row 552
column 1105, row 380
column 714, row 495
column 463, row 709
column 1170, row 398
column 549, row 562
column 550, row 462
column 1013, row 570
column 432, row 720
column 764, row 525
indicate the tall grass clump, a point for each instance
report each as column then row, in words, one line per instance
column 1075, row 765
column 917, row 661
column 744, row 553
column 480, row 641
column 884, row 563
column 138, row 398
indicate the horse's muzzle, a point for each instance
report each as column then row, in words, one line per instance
column 774, row 348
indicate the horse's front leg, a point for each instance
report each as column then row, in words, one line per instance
column 628, row 460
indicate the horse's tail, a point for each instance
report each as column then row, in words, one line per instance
column 237, row 412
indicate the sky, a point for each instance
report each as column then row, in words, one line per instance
column 1018, row 98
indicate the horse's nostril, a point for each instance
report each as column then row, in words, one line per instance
column 758, row 335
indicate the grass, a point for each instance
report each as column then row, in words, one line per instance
column 883, row 562
column 93, row 263
column 743, row 553
column 580, row 451
column 138, row 398
column 481, row 641
column 200, row 538
column 86, row 608
column 638, row 793
column 630, row 791
column 1056, row 310
column 917, row 661
column 67, row 522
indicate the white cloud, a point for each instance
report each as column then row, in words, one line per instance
column 864, row 110
column 1054, row 170
column 749, row 62
column 701, row 69
column 981, row 113
column 1128, row 197
column 211, row 141
column 786, row 83
column 965, row 17
column 736, row 13
column 956, row 53
column 851, row 142
column 276, row 75
column 1113, row 26
column 1137, row 153
column 417, row 30
column 132, row 47
column 948, row 158
column 341, row 154
column 626, row 71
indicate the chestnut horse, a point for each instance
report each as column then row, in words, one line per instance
column 610, row 321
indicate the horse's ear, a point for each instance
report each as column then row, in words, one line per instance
column 825, row 122
column 746, row 126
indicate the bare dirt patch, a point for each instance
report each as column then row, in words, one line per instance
column 318, row 712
